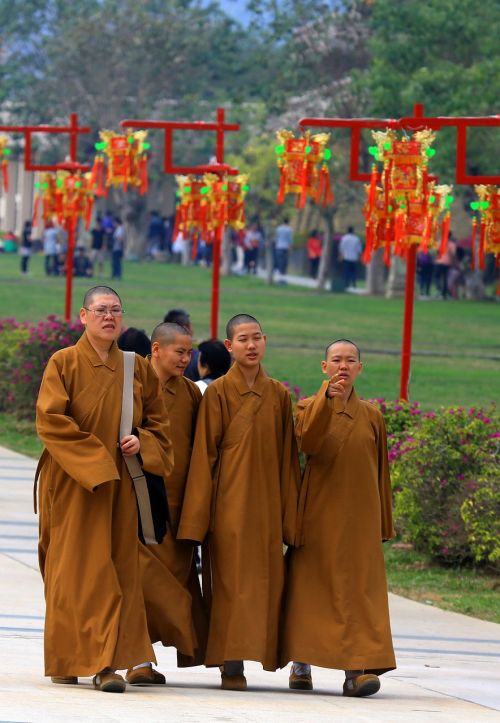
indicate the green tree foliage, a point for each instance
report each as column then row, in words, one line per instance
column 445, row 54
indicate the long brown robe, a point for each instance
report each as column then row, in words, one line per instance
column 242, row 493
column 88, row 547
column 174, row 605
column 336, row 612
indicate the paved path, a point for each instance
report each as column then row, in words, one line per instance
column 448, row 664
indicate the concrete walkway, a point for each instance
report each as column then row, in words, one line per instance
column 448, row 664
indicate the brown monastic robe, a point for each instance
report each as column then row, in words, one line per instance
column 242, row 494
column 174, row 605
column 88, row 547
column 336, row 613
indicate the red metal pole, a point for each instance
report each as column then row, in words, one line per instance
column 214, row 314
column 69, row 268
column 411, row 263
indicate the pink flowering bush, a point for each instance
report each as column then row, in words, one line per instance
column 11, row 336
column 445, row 475
column 31, row 346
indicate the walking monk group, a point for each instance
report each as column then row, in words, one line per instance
column 230, row 467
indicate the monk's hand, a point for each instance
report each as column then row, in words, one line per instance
column 130, row 445
column 335, row 387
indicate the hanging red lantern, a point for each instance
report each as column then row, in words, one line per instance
column 122, row 161
column 303, row 167
column 406, row 208
column 191, row 213
column 64, row 195
column 226, row 198
column 488, row 208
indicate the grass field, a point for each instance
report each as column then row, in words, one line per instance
column 463, row 590
column 456, row 344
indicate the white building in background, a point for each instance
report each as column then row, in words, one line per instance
column 16, row 206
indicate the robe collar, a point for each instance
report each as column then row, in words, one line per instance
column 235, row 376
column 114, row 355
column 171, row 385
column 350, row 407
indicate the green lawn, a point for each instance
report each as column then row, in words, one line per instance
column 456, row 344
column 462, row 590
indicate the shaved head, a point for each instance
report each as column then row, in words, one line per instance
column 343, row 341
column 167, row 333
column 95, row 290
column 236, row 321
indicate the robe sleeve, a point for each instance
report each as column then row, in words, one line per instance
column 80, row 454
column 290, row 475
column 156, row 450
column 384, row 485
column 203, row 470
column 312, row 419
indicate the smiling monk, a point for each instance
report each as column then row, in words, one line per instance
column 336, row 604
column 242, row 495
column 95, row 619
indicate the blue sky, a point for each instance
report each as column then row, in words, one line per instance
column 236, row 9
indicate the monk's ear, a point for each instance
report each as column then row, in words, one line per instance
column 228, row 344
column 83, row 316
column 323, row 366
column 154, row 348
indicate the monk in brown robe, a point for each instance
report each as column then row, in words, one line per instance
column 336, row 610
column 172, row 593
column 241, row 494
column 88, row 549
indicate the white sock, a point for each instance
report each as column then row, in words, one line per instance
column 142, row 665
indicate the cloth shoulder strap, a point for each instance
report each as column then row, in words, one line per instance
column 132, row 462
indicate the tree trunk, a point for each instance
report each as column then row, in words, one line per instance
column 326, row 253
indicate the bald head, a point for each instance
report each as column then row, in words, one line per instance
column 343, row 341
column 167, row 333
column 236, row 321
column 97, row 290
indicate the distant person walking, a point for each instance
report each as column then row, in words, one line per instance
column 314, row 247
column 350, row 251
column 443, row 265
column 25, row 248
column 425, row 268
column 98, row 252
column 118, row 249
column 283, row 241
column 50, row 248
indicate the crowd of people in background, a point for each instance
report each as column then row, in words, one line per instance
column 439, row 275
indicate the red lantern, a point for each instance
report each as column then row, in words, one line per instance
column 405, row 210
column 488, row 207
column 66, row 196
column 191, row 214
column 127, row 161
column 303, row 168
